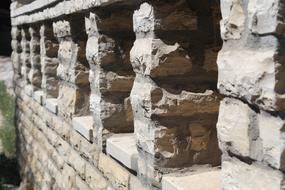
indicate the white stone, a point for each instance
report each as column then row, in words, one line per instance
column 237, row 175
column 51, row 105
column 200, row 181
column 264, row 17
column 23, row 70
column 38, row 96
column 123, row 148
column 251, row 75
column 232, row 24
column 235, row 117
column 272, row 138
column 84, row 126
column 29, row 90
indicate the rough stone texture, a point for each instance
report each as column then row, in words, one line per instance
column 149, row 68
column 244, row 132
column 238, row 175
column 174, row 117
column 73, row 71
column 251, row 75
column 35, row 75
column 110, row 38
column 49, row 61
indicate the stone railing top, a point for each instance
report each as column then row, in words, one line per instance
column 61, row 8
column 72, row 5
column 33, row 6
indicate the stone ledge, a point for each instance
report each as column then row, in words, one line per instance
column 51, row 105
column 64, row 8
column 209, row 180
column 84, row 126
column 35, row 5
column 38, row 96
column 123, row 148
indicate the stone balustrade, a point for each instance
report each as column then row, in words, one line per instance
column 122, row 94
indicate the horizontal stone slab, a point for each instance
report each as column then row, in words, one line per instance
column 38, row 96
column 123, row 148
column 60, row 9
column 84, row 126
column 209, row 180
column 51, row 105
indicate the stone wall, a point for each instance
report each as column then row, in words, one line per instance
column 123, row 94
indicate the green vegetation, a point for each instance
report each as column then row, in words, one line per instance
column 9, row 170
column 7, row 131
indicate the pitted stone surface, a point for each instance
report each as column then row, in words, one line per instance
column 143, row 87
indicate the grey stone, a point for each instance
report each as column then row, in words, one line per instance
column 84, row 126
column 123, row 148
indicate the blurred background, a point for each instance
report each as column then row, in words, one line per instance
column 5, row 27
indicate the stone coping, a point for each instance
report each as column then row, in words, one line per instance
column 197, row 181
column 123, row 148
column 60, row 9
column 84, row 126
column 33, row 6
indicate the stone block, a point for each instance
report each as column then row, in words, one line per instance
column 29, row 90
column 187, row 119
column 249, row 134
column 116, row 174
column 233, row 22
column 272, row 139
column 84, row 126
column 51, row 105
column 238, row 175
column 123, row 148
column 94, row 178
column 72, row 101
column 153, row 16
column 38, row 96
column 251, row 75
column 197, row 181
column 235, row 119
column 266, row 17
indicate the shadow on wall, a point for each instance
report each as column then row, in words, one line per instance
column 5, row 34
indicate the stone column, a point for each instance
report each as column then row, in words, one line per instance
column 73, row 68
column 110, row 38
column 251, row 76
column 35, row 75
column 17, row 50
column 25, row 55
column 174, row 98
column 49, row 61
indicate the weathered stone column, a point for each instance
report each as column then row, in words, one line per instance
column 251, row 75
column 35, row 75
column 174, row 100
column 49, row 51
column 25, row 55
column 17, row 50
column 110, row 38
column 73, row 69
